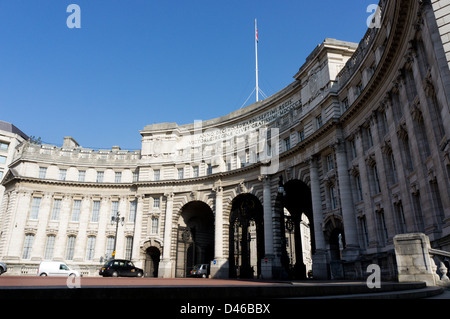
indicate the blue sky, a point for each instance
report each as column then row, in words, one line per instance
column 139, row 62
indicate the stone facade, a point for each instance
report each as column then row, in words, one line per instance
column 356, row 147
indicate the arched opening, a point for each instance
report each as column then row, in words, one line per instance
column 152, row 258
column 298, row 246
column 246, row 237
column 334, row 235
column 195, row 238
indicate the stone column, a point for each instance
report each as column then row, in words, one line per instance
column 138, row 230
column 165, row 266
column 219, row 266
column 267, row 263
column 351, row 250
column 319, row 265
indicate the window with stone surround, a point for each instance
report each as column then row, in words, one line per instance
column 35, row 204
column 364, row 233
column 95, row 211
column 90, row 248
column 56, row 209
column 132, row 212
column 128, row 247
column 100, row 176
column 27, row 246
column 156, row 174
column 62, row 174
column 49, row 247
column 70, row 247
column 81, row 176
column 76, row 209
column 381, row 227
column 42, row 172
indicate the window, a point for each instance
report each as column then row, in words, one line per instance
column 118, row 177
column 109, row 247
column 420, row 226
column 90, row 248
column 49, row 247
column 301, row 136
column 319, row 121
column 333, row 198
column 382, row 230
column 156, row 174
column 155, row 222
column 180, row 173
column 287, row 144
column 376, row 180
column 70, row 248
column 385, row 125
column 100, row 176
column 28, row 244
column 365, row 234
column 345, row 104
column 136, row 176
column 56, row 209
column 358, row 89
column 76, row 210
column 394, row 169
column 81, row 176
column 359, row 187
column 2, row 159
column 95, row 211
column 3, row 146
column 330, row 162
column 132, row 212
column 128, row 247
column 369, row 137
column 400, row 218
column 42, row 172
column 35, row 204
column 195, row 171
column 114, row 209
column 62, row 174
column 155, row 202
column 353, row 145
column 209, row 169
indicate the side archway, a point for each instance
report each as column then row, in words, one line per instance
column 152, row 253
column 195, row 237
column 297, row 210
column 246, row 236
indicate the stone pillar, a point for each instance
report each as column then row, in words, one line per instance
column 138, row 230
column 414, row 263
column 219, row 266
column 267, row 263
column 351, row 250
column 165, row 266
column 319, row 265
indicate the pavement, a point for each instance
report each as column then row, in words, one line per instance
column 212, row 298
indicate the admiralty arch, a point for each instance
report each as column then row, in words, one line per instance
column 318, row 177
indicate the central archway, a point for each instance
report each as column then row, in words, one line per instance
column 298, row 202
column 246, row 237
column 195, row 237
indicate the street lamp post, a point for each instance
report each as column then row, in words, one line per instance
column 116, row 219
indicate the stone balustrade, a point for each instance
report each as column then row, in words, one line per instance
column 416, row 260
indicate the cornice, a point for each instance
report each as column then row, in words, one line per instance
column 402, row 15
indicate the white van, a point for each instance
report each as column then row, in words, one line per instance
column 56, row 268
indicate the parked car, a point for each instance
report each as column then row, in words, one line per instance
column 56, row 268
column 3, row 268
column 200, row 270
column 120, row 268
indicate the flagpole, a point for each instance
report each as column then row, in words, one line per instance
column 256, row 61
